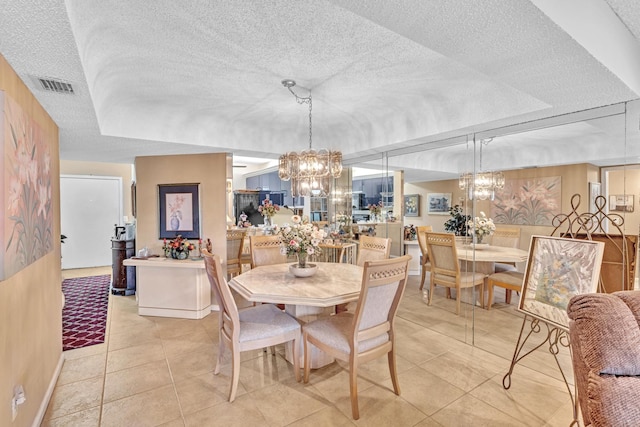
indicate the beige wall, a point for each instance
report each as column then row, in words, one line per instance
column 122, row 170
column 30, row 301
column 575, row 179
column 209, row 170
column 626, row 181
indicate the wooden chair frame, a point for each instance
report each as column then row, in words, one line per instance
column 371, row 327
column 445, row 268
column 282, row 327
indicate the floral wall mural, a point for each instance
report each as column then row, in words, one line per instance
column 529, row 201
column 26, row 217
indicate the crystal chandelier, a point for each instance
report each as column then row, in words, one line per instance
column 484, row 184
column 310, row 171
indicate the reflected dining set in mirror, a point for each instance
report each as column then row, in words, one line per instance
column 458, row 265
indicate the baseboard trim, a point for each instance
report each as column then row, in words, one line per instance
column 47, row 397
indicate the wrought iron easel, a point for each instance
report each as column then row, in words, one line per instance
column 574, row 225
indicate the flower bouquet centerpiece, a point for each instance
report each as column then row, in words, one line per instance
column 268, row 209
column 480, row 227
column 375, row 211
column 177, row 248
column 302, row 239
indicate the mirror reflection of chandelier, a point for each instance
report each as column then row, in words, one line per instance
column 310, row 171
column 484, row 184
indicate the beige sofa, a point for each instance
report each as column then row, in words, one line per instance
column 605, row 344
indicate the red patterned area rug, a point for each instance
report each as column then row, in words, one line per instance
column 84, row 316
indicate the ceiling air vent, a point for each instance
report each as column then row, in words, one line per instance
column 54, row 85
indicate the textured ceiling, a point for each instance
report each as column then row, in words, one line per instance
column 170, row 77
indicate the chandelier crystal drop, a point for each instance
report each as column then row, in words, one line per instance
column 483, row 186
column 310, row 171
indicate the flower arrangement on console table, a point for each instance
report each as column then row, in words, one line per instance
column 177, row 248
column 375, row 211
column 481, row 226
column 300, row 238
column 268, row 209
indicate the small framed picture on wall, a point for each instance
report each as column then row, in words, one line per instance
column 179, row 211
column 412, row 205
column 438, row 203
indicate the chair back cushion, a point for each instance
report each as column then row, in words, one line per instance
column 373, row 248
column 443, row 255
column 507, row 237
column 383, row 284
column 265, row 250
column 235, row 242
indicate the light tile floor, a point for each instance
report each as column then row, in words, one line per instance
column 154, row 371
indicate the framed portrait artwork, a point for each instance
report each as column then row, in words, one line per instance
column 412, row 205
column 438, row 203
column 557, row 270
column 179, row 211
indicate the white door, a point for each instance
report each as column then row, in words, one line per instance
column 90, row 207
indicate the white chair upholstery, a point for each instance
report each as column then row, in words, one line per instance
column 249, row 329
column 445, row 268
column 368, row 333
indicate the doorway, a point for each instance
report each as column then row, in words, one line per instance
column 90, row 206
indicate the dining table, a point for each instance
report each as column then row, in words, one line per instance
column 305, row 298
column 485, row 256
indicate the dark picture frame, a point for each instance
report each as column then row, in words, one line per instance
column 412, row 205
column 179, row 207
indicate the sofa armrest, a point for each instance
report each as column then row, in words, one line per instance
column 608, row 332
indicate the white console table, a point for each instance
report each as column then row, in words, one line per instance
column 411, row 247
column 172, row 288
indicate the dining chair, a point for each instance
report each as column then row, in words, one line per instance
column 373, row 248
column 507, row 237
column 425, row 265
column 509, row 280
column 369, row 332
column 347, row 253
column 265, row 250
column 235, row 246
column 248, row 329
column 445, row 268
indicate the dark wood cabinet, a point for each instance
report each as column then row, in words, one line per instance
column 123, row 279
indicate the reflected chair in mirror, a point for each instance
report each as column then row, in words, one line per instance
column 252, row 328
column 509, row 280
column 348, row 253
column 506, row 237
column 368, row 333
column 445, row 268
column 235, row 243
column 373, row 248
column 265, row 250
column 425, row 265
